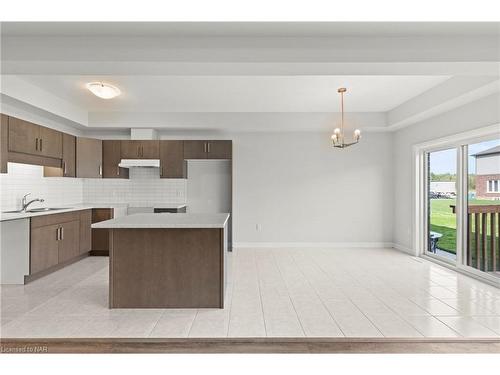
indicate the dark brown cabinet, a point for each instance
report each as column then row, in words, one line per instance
column 44, row 246
column 140, row 149
column 4, row 137
column 24, row 136
column 85, row 231
column 28, row 138
column 100, row 237
column 69, row 155
column 88, row 157
column 58, row 239
column 195, row 149
column 51, row 143
column 111, row 156
column 208, row 149
column 172, row 163
column 69, row 240
column 219, row 149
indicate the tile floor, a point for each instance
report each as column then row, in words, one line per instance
column 274, row 293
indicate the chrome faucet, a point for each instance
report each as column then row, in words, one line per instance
column 26, row 204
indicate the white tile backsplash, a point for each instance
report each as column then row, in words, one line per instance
column 24, row 178
column 144, row 188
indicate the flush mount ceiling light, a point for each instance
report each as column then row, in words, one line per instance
column 103, row 90
column 338, row 138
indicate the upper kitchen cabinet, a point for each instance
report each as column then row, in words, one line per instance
column 4, row 136
column 111, row 156
column 88, row 157
column 219, row 149
column 172, row 163
column 140, row 149
column 207, row 149
column 68, row 164
column 69, row 155
column 28, row 138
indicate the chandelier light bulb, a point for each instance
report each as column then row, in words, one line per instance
column 336, row 132
column 357, row 134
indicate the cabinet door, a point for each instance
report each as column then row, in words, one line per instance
column 100, row 237
column 50, row 143
column 111, row 156
column 172, row 164
column 69, row 155
column 69, row 243
column 150, row 150
column 195, row 149
column 24, row 136
column 219, row 149
column 44, row 248
column 85, row 231
column 88, row 157
column 4, row 136
column 130, row 149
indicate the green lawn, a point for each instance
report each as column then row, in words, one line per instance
column 443, row 221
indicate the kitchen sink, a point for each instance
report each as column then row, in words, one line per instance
column 43, row 209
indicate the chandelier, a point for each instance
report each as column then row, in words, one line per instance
column 338, row 138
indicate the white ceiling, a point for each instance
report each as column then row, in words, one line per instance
column 240, row 93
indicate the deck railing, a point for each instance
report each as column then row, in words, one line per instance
column 483, row 230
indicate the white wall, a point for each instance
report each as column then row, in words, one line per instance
column 299, row 189
column 474, row 115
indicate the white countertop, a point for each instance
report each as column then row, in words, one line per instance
column 165, row 220
column 78, row 207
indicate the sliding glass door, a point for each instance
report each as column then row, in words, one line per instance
column 461, row 205
column 483, row 207
column 441, row 204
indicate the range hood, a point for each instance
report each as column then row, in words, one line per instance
column 141, row 134
column 139, row 163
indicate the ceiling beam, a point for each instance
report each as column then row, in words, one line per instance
column 449, row 95
column 432, row 55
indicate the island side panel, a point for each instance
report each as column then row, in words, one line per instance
column 166, row 268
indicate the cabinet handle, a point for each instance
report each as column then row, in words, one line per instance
column 100, row 169
column 36, row 144
column 208, row 147
column 64, row 168
column 41, row 147
column 117, row 170
column 57, row 234
column 204, row 146
column 62, row 233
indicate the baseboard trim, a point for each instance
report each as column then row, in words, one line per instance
column 331, row 245
column 404, row 249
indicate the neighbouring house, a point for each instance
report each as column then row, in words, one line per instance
column 443, row 187
column 488, row 173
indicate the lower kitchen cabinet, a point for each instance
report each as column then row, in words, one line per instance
column 69, row 240
column 100, row 237
column 85, row 231
column 44, row 248
column 58, row 238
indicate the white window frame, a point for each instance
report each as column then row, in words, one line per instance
column 493, row 183
column 420, row 241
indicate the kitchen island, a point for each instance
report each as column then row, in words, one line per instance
column 167, row 260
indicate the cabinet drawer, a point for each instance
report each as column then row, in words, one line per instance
column 40, row 221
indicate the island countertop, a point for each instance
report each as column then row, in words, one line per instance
column 166, row 220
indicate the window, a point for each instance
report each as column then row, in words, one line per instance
column 493, row 186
